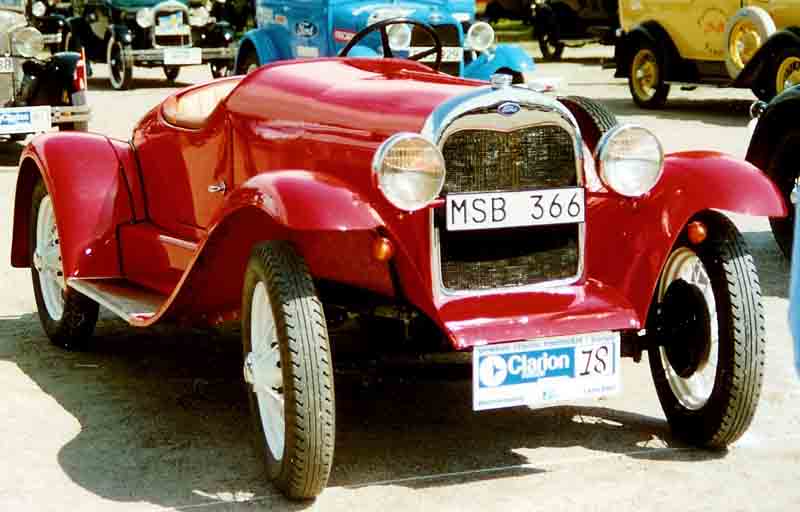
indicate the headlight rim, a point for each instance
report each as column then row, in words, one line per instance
column 602, row 148
column 17, row 44
column 145, row 17
column 38, row 9
column 407, row 40
column 478, row 26
column 380, row 155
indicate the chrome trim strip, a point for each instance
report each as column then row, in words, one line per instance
column 461, row 112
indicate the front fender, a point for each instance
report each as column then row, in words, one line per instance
column 693, row 182
column 90, row 197
column 261, row 40
column 509, row 57
column 760, row 66
column 773, row 124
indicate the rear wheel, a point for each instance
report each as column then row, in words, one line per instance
column 787, row 70
column 172, row 72
column 120, row 69
column 68, row 318
column 646, row 77
column 550, row 43
column 287, row 366
column 708, row 359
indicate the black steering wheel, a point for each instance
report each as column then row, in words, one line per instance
column 381, row 27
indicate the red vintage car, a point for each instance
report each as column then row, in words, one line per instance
column 533, row 232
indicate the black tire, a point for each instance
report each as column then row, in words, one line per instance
column 787, row 60
column 660, row 89
column 248, row 63
column 220, row 70
column 726, row 413
column 784, row 171
column 171, row 72
column 550, row 43
column 74, row 329
column 306, row 369
column 594, row 118
column 120, row 70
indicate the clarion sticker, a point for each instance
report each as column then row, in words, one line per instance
column 508, row 109
column 343, row 36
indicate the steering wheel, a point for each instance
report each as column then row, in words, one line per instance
column 382, row 27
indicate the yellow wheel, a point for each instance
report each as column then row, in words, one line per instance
column 646, row 78
column 745, row 33
column 788, row 73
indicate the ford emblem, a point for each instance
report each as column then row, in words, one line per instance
column 305, row 29
column 508, row 109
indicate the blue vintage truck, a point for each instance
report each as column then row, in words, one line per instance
column 290, row 29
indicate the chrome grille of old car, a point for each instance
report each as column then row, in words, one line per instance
column 535, row 156
column 181, row 37
column 448, row 36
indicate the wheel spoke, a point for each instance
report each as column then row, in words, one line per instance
column 422, row 55
column 387, row 49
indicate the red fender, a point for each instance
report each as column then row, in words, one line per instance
column 632, row 238
column 89, row 195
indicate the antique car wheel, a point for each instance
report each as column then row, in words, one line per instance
column 219, row 70
column 68, row 318
column 550, row 43
column 171, row 72
column 787, row 69
column 288, row 369
column 784, row 172
column 745, row 32
column 594, row 118
column 646, row 77
column 120, row 73
column 708, row 362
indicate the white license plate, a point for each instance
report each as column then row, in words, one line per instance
column 182, row 56
column 6, row 65
column 25, row 119
column 491, row 210
column 541, row 372
column 449, row 53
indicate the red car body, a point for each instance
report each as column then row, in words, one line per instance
column 293, row 145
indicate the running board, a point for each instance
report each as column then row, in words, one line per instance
column 134, row 304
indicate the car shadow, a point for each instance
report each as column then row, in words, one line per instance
column 773, row 267
column 164, row 419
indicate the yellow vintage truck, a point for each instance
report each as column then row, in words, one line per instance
column 751, row 44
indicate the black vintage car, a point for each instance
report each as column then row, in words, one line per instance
column 152, row 33
column 572, row 23
column 775, row 148
column 51, row 18
column 37, row 90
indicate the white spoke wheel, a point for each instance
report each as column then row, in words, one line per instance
column 287, row 370
column 708, row 332
column 68, row 318
column 120, row 68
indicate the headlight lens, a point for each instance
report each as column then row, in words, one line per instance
column 144, row 17
column 480, row 36
column 198, row 17
column 27, row 42
column 409, row 171
column 38, row 9
column 399, row 36
column 630, row 160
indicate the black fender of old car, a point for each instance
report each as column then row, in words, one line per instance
column 653, row 33
column 760, row 67
column 219, row 34
column 779, row 117
column 50, row 80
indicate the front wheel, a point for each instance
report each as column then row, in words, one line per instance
column 707, row 361
column 550, row 43
column 172, row 72
column 288, row 369
column 120, row 69
column 646, row 77
column 68, row 318
column 220, row 70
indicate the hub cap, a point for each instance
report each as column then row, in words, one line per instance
column 645, row 74
column 743, row 43
column 788, row 74
column 262, row 370
column 47, row 260
column 691, row 375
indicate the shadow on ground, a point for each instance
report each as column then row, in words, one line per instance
column 164, row 420
column 720, row 112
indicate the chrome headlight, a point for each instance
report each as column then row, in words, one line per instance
column 27, row 41
column 144, row 17
column 38, row 9
column 198, row 16
column 630, row 160
column 480, row 36
column 409, row 170
column 399, row 36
